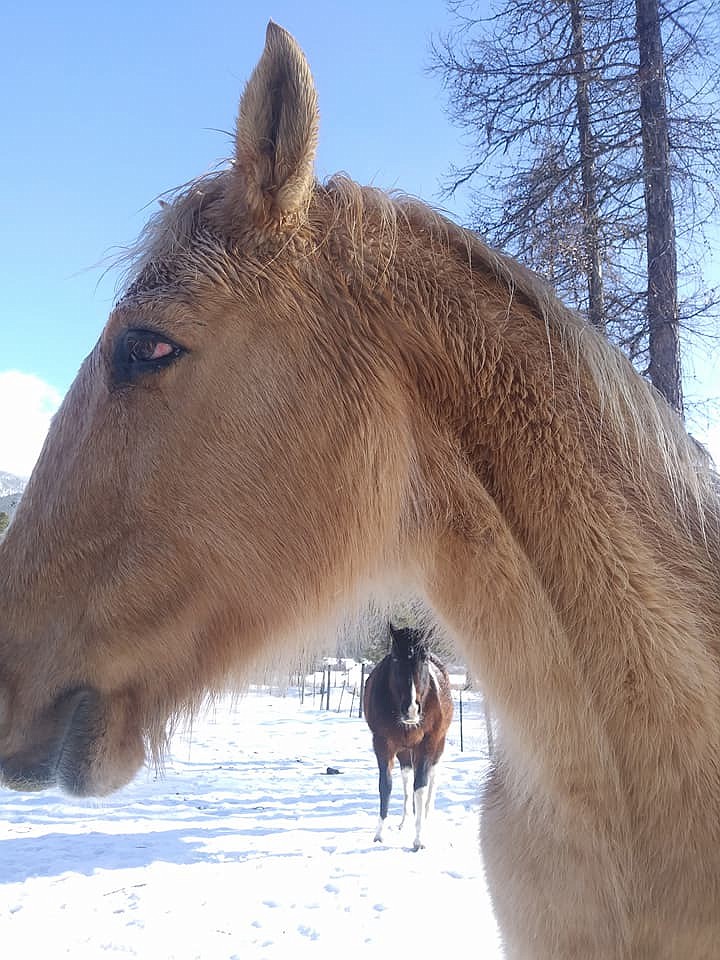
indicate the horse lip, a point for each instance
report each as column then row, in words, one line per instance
column 406, row 722
column 39, row 767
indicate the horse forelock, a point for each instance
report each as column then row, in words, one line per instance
column 180, row 239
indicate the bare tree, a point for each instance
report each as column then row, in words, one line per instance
column 589, row 203
column 560, row 101
column 662, row 294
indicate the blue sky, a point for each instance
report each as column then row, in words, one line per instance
column 107, row 106
column 113, row 104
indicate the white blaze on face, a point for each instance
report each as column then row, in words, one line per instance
column 413, row 712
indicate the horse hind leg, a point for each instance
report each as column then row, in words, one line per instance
column 430, row 799
column 432, row 774
column 406, row 768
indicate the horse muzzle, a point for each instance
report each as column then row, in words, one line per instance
column 57, row 746
column 411, row 720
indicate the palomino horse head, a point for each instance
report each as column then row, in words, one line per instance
column 306, row 390
column 409, row 675
column 219, row 469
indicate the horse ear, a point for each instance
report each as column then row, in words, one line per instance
column 276, row 136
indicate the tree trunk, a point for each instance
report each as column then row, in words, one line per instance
column 662, row 299
column 591, row 220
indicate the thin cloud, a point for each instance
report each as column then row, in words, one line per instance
column 27, row 405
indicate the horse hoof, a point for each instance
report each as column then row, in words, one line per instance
column 418, row 846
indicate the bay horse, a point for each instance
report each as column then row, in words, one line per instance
column 408, row 707
column 343, row 389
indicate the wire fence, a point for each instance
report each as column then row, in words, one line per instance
column 338, row 685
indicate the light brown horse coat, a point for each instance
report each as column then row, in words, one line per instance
column 308, row 390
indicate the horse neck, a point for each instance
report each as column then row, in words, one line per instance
column 514, row 417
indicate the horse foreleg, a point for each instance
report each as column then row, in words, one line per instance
column 385, row 759
column 406, row 768
column 423, row 772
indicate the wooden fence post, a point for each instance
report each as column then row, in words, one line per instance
column 362, row 689
column 461, row 723
column 342, row 691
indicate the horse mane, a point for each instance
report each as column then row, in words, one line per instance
column 650, row 434
column 648, row 429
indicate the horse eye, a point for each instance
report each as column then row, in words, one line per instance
column 146, row 347
column 142, row 351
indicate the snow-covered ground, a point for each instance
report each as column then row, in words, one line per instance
column 11, row 484
column 245, row 847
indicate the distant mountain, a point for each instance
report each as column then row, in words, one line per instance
column 11, row 489
column 9, row 483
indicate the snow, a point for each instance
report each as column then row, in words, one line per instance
column 11, row 488
column 10, row 484
column 245, row 847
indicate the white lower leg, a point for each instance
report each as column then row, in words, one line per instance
column 379, row 831
column 407, row 773
column 420, row 807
